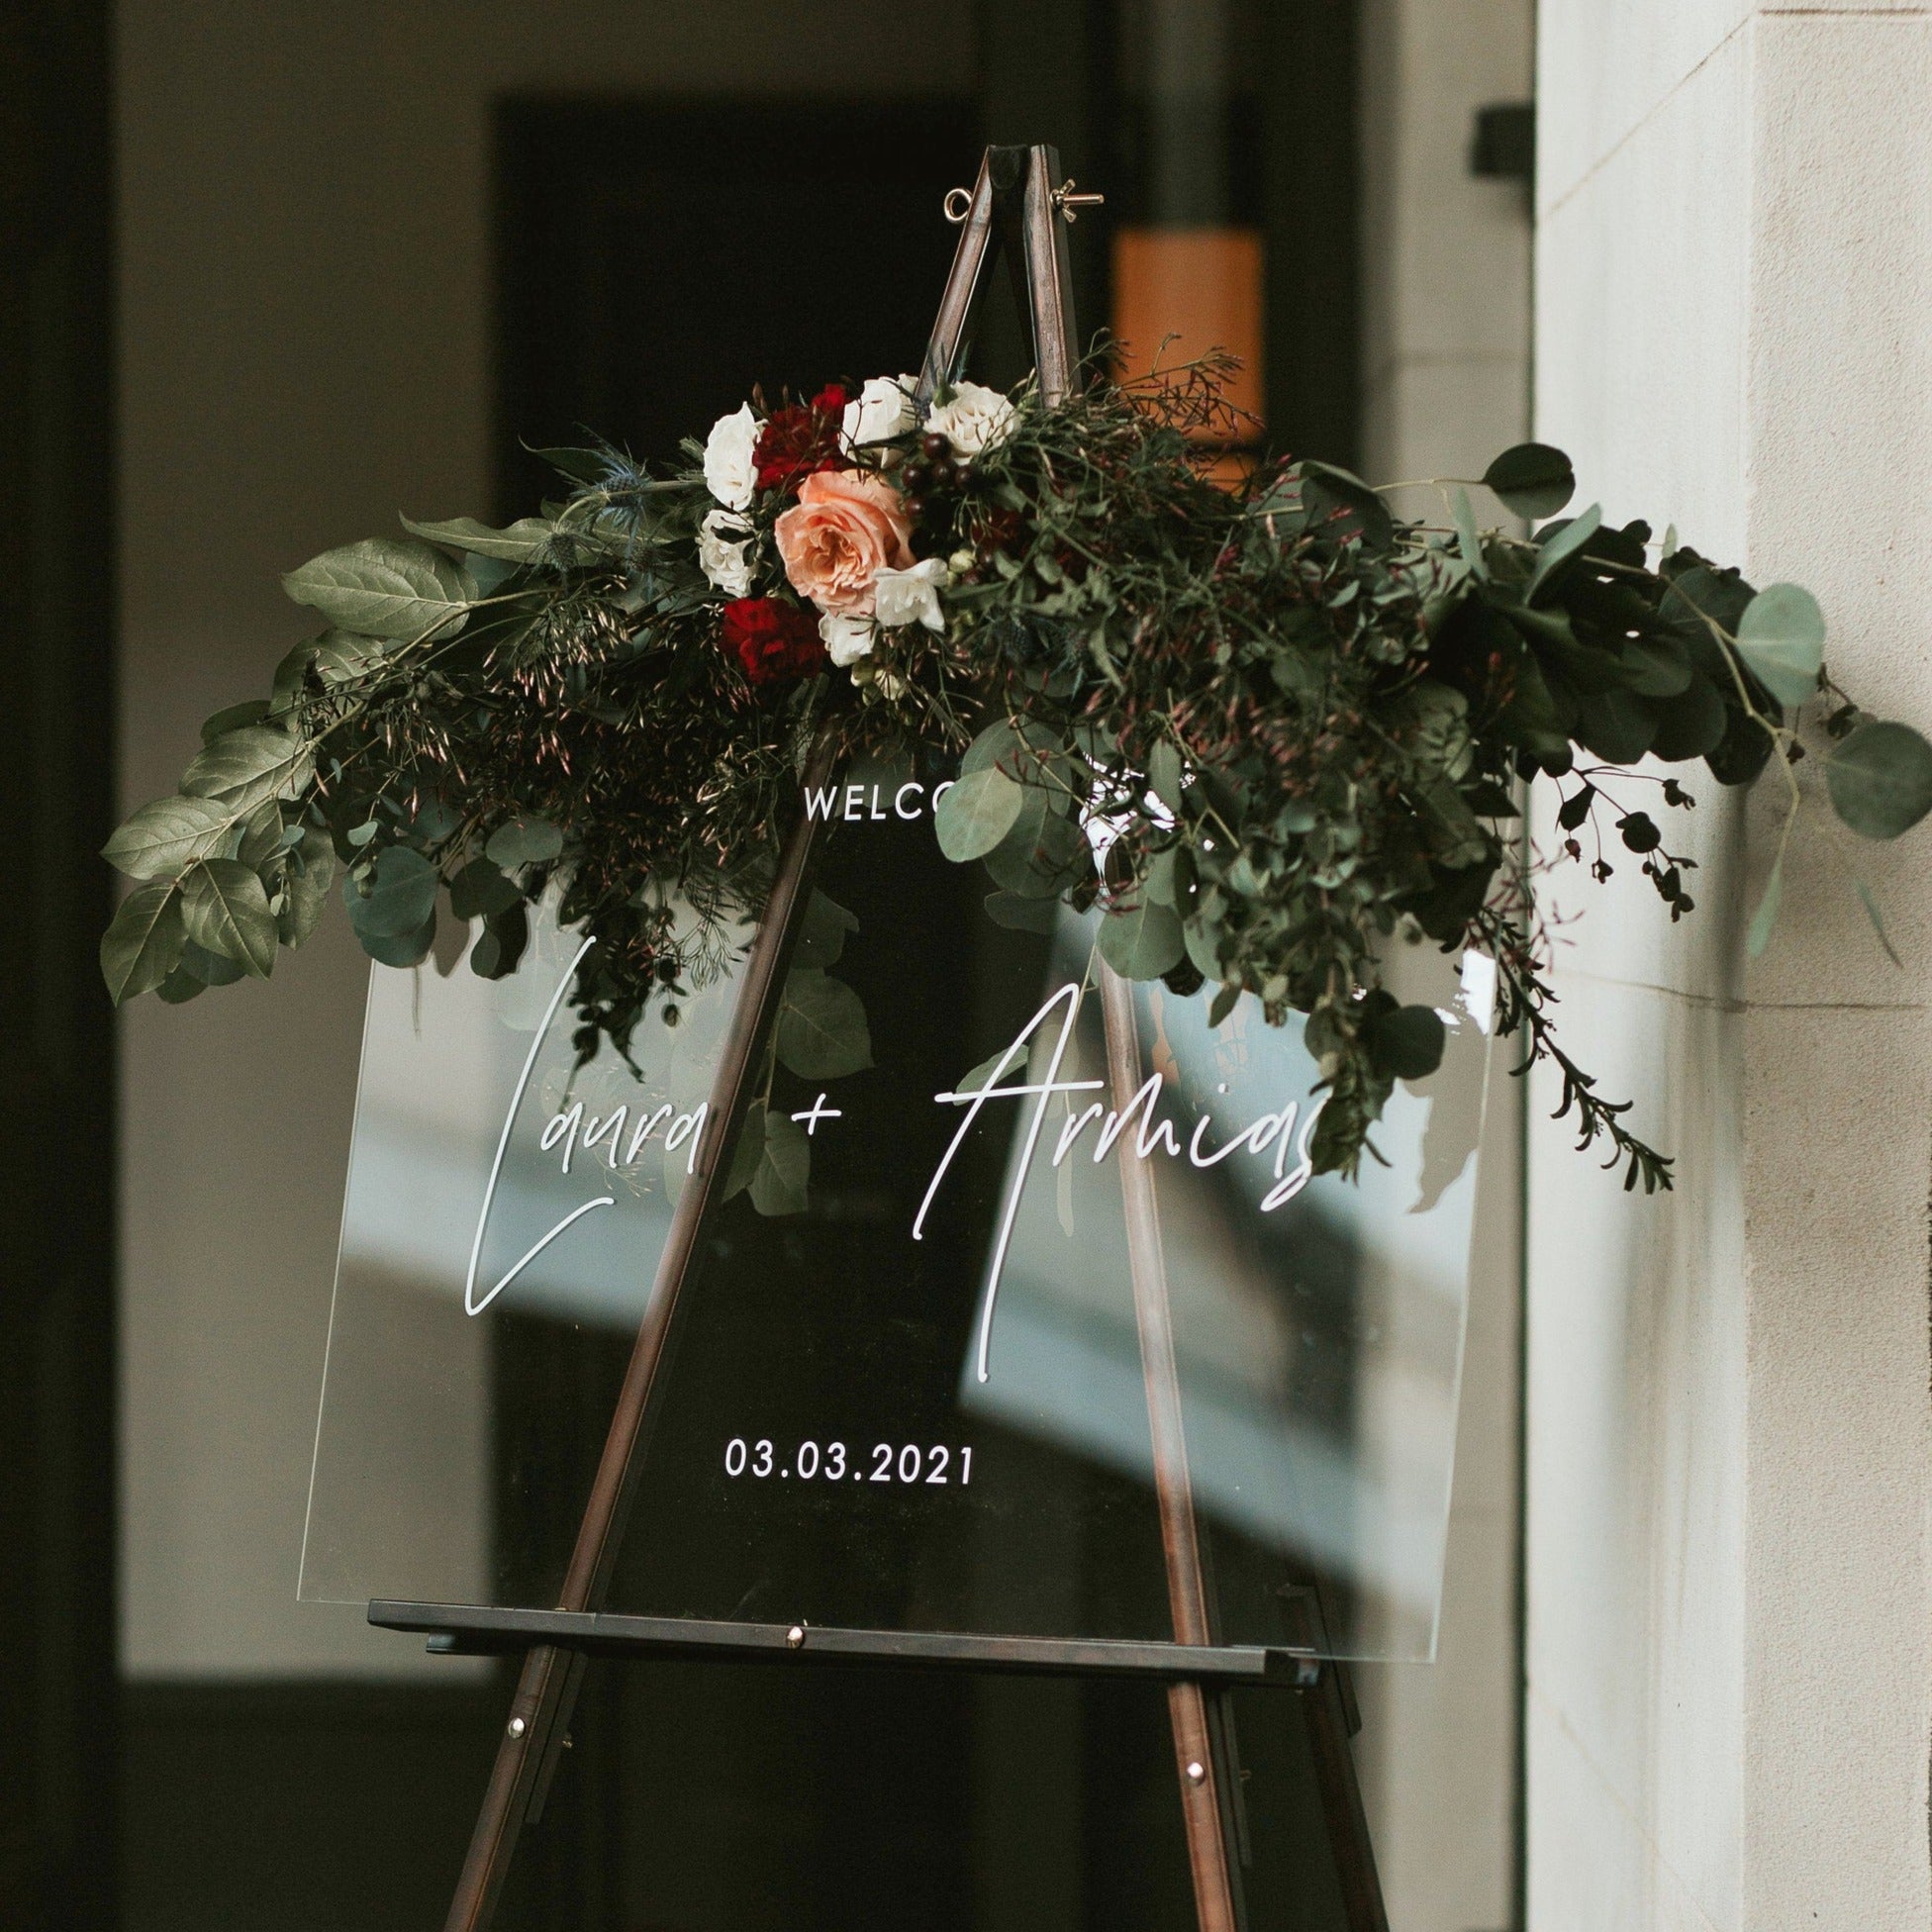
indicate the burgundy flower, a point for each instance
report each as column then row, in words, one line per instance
column 773, row 639
column 800, row 439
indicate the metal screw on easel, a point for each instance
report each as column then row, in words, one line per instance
column 517, row 1727
column 1197, row 1772
column 1069, row 203
column 794, row 1636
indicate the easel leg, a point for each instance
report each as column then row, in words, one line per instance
column 1216, row 1886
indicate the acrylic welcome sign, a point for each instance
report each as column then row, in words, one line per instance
column 905, row 1388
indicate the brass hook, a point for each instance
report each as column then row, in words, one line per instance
column 958, row 205
column 1069, row 203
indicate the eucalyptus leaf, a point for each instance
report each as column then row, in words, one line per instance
column 1881, row 779
column 166, row 838
column 480, row 889
column 749, row 1151
column 1022, row 913
column 1782, row 638
column 500, row 946
column 1533, row 479
column 821, row 932
column 142, row 943
column 523, row 841
column 976, row 814
column 1142, row 942
column 822, row 1031
column 1557, row 550
column 1469, row 541
column 1407, row 1041
column 384, row 587
column 226, row 908
column 399, row 893
column 400, row 949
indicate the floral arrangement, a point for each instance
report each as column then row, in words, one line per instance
column 1266, row 731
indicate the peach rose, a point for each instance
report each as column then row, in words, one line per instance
column 846, row 527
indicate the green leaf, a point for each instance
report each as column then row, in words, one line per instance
column 1023, row 913
column 210, row 968
column 1782, row 638
column 480, row 889
column 181, row 987
column 262, row 837
column 1881, row 779
column 1042, row 855
column 384, row 587
column 517, row 544
column 1142, row 942
column 142, row 943
column 1870, row 904
column 1406, row 1041
column 1469, row 541
column 497, row 952
column 400, row 894
column 821, row 935
column 167, row 837
column 225, row 909
column 401, row 950
column 523, row 841
column 1164, row 774
column 341, row 656
column 749, row 1151
column 822, row 1028
column 1533, row 479
column 975, row 815
column 1557, row 550
column 1340, row 504
column 1765, row 919
column 250, row 711
column 242, row 768
column 304, row 886
column 779, row 1185
column 976, row 1079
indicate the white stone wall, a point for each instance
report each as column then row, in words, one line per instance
column 1445, row 356
column 1730, row 1445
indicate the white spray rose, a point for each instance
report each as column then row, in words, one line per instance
column 911, row 596
column 730, row 473
column 723, row 543
column 974, row 420
column 846, row 640
column 884, row 410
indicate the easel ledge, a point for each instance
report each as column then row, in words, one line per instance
column 478, row 1630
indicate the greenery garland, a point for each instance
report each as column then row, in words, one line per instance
column 1299, row 722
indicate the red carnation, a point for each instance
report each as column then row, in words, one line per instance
column 801, row 438
column 773, row 639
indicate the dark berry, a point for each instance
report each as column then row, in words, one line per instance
column 914, row 508
column 935, row 447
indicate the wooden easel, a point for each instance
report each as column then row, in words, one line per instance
column 1014, row 206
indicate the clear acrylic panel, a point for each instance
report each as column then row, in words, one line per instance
column 919, row 1403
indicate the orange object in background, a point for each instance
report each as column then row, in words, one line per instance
column 1201, row 286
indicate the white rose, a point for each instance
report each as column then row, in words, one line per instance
column 884, row 410
column 846, row 640
column 911, row 596
column 723, row 540
column 974, row 420
column 730, row 474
